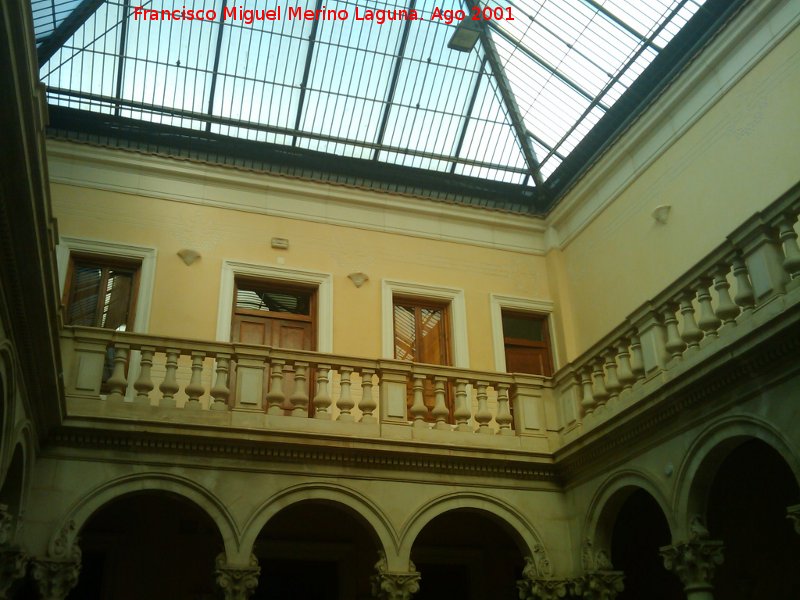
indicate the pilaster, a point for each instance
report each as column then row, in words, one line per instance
column 237, row 583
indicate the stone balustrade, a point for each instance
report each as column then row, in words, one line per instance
column 751, row 277
column 166, row 379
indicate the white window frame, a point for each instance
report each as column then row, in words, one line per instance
column 144, row 255
column 453, row 297
column 497, row 303
column 323, row 282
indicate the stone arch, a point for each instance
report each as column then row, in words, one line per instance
column 365, row 510
column 709, row 450
column 520, row 529
column 607, row 501
column 64, row 537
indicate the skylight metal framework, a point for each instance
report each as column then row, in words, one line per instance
column 544, row 73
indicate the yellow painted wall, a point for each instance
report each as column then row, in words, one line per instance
column 739, row 157
column 185, row 299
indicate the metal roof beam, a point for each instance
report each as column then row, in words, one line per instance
column 620, row 23
column 66, row 29
column 398, row 63
column 212, row 92
column 312, row 38
column 517, row 122
column 121, row 53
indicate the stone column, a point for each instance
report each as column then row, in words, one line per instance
column 694, row 563
column 394, row 585
column 237, row 583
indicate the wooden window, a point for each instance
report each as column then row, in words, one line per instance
column 422, row 334
column 101, row 292
column 527, row 343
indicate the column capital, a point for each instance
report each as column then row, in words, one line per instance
column 599, row 585
column 542, row 589
column 793, row 514
column 13, row 564
column 394, row 585
column 55, row 578
column 694, row 562
column 237, row 583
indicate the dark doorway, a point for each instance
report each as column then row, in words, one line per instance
column 467, row 555
column 316, row 550
column 639, row 531
column 747, row 511
column 148, row 545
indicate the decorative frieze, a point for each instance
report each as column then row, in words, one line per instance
column 394, row 585
column 237, row 583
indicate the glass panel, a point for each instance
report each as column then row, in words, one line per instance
column 85, row 305
column 84, row 289
column 405, row 333
column 523, row 327
column 117, row 301
column 252, row 297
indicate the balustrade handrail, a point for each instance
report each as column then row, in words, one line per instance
column 716, row 262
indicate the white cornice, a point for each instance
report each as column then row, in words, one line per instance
column 196, row 183
column 750, row 36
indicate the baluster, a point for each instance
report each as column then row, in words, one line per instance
column 418, row 409
column 299, row 397
column 503, row 410
column 462, row 412
column 275, row 395
column 788, row 237
column 612, row 382
column 745, row 296
column 117, row 382
column 169, row 387
column 440, row 412
column 637, row 359
column 727, row 311
column 691, row 333
column 322, row 399
column 708, row 322
column 195, row 388
column 144, row 383
column 220, row 391
column 345, row 402
column 674, row 345
column 599, row 391
column 367, row 404
column 483, row 416
column 625, row 373
column 587, row 402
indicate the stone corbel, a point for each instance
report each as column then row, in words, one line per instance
column 237, row 583
column 393, row 585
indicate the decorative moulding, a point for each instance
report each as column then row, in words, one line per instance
column 188, row 256
column 358, row 279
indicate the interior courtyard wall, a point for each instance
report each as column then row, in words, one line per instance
column 737, row 158
column 186, row 298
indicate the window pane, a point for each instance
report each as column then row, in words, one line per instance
column 252, row 297
column 84, row 288
column 405, row 336
column 117, row 301
column 523, row 328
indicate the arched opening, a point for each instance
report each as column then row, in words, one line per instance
column 151, row 544
column 640, row 529
column 315, row 549
column 746, row 510
column 467, row 554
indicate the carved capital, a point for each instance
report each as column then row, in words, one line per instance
column 599, row 585
column 237, row 583
column 392, row 585
column 793, row 514
column 13, row 564
column 55, row 578
column 694, row 562
column 6, row 526
column 542, row 589
column 594, row 560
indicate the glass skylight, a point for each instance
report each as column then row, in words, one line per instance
column 542, row 76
